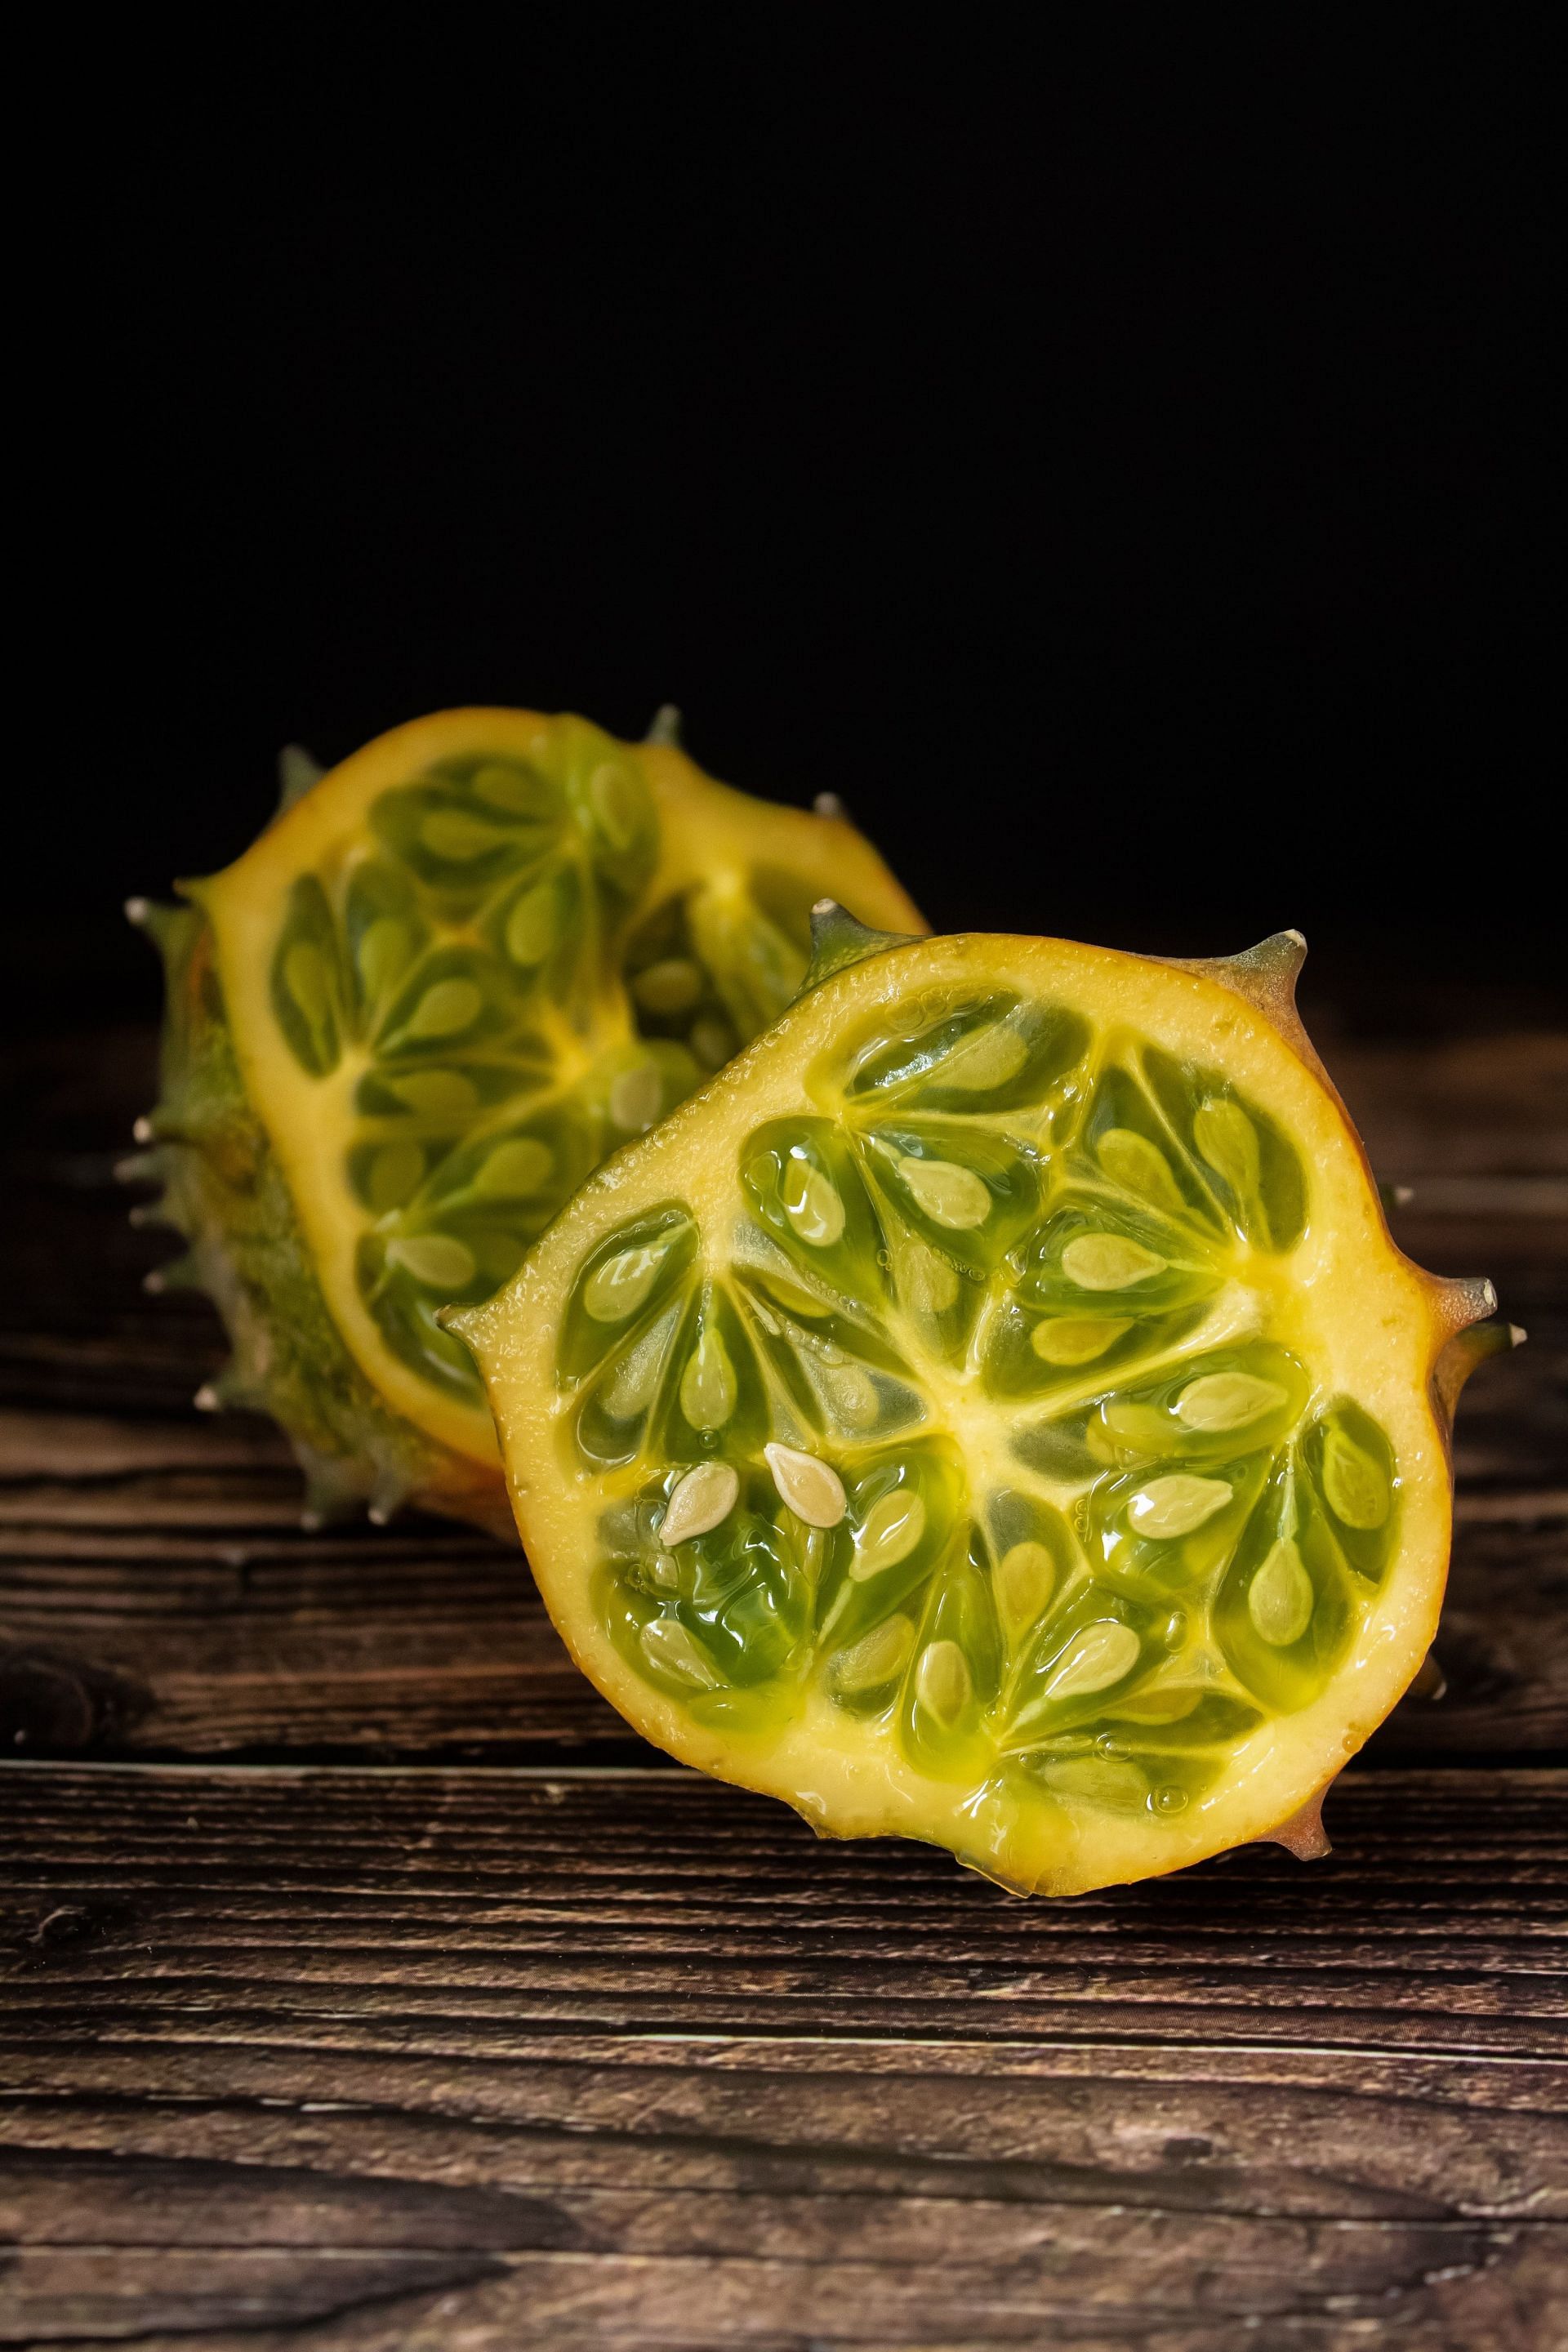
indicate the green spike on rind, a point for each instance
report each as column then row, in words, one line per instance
column 333, row 1490
column 164, row 923
column 226, row 1192
column 1275, row 960
column 839, row 939
column 1304, row 1834
column 386, row 1500
column 1263, row 973
column 1467, row 1299
column 1429, row 1683
column 231, row 1391
column 183, row 1273
column 1470, row 1347
column 298, row 770
column 1265, row 977
column 423, row 853
column 664, row 725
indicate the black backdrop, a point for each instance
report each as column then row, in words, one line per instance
column 1124, row 480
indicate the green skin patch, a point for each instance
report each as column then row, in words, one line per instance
column 224, row 1191
column 510, row 1018
column 981, row 1419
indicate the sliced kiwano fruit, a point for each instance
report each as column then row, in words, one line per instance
column 449, row 978
column 993, row 1411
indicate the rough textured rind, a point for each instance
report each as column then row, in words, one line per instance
column 255, row 1178
column 224, row 1192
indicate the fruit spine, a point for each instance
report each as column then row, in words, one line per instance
column 224, row 1193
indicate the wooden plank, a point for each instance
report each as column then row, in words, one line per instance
column 157, row 1598
column 566, row 2057
column 1488, row 1104
column 527, row 2058
column 1483, row 1118
column 876, row 2270
column 1448, row 1108
column 496, row 1903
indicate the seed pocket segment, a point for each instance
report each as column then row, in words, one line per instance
column 454, row 975
column 993, row 1411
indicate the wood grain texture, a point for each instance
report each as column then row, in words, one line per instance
column 1486, row 1116
column 630, row 2058
column 159, row 1599
column 526, row 2039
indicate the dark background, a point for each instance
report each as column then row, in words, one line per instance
column 1124, row 480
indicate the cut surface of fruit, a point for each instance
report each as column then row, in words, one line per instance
column 993, row 1411
column 452, row 976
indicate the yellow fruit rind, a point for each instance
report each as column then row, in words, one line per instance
column 1371, row 1327
column 256, row 1131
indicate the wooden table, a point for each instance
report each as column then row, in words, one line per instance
column 364, row 1983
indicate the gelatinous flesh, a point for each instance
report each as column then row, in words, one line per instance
column 978, row 1419
column 470, row 960
column 478, row 979
column 990, row 1390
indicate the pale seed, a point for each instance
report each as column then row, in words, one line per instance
column 1109, row 1262
column 985, row 1059
column 891, row 1529
column 812, row 1204
column 630, row 1386
column 515, row 1168
column 1169, row 1706
column 852, row 1395
column 1222, row 1400
column 1228, row 1141
column 669, row 1649
column 435, row 1260
column 708, row 1385
column 1280, row 1600
column 530, row 926
column 305, row 970
column 1137, row 1166
column 616, row 804
column 927, row 1284
column 1176, row 1504
column 445, row 1008
column 1138, row 1428
column 617, row 1288
column 637, row 1098
column 1354, row 1485
column 943, row 1685
column 874, row 1659
column 384, row 949
column 700, row 1502
column 673, row 986
column 1026, row 1579
column 947, row 1195
column 457, row 838
column 811, row 1488
column 514, row 793
column 1075, row 1339
column 1098, row 1656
